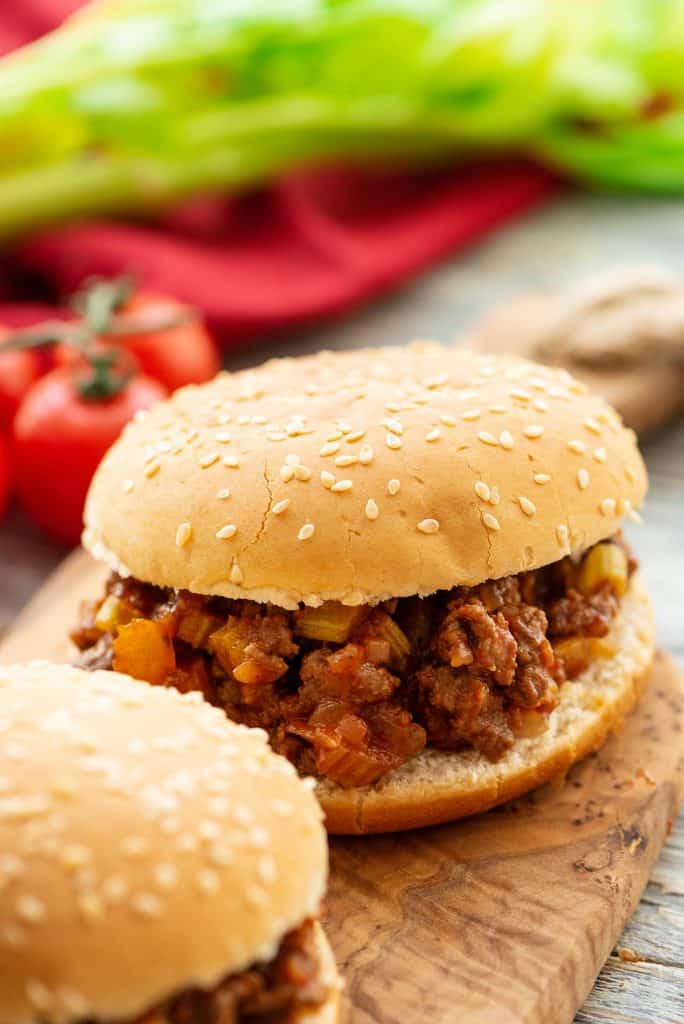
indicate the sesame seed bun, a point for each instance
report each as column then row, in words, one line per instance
column 147, row 845
column 359, row 476
column 438, row 786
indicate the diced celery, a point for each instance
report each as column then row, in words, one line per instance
column 605, row 563
column 330, row 623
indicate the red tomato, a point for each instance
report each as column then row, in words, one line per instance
column 180, row 355
column 4, row 476
column 18, row 371
column 59, row 440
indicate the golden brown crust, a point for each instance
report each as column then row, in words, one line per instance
column 139, row 827
column 439, row 786
column 358, row 476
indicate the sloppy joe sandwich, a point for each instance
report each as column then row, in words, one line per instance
column 158, row 863
column 405, row 564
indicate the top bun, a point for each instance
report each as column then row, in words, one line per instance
column 358, row 476
column 147, row 845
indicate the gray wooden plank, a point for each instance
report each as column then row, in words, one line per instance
column 640, row 993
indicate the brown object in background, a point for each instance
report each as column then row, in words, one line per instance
column 501, row 919
column 621, row 333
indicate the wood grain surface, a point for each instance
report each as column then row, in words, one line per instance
column 507, row 917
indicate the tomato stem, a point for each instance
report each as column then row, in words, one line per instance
column 105, row 377
column 108, row 369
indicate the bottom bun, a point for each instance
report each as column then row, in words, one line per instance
column 438, row 786
column 329, row 1011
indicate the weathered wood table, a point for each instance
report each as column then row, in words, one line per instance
column 566, row 240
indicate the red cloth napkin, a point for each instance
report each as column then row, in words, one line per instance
column 311, row 246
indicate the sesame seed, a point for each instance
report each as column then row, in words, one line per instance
column 236, row 575
column 534, row 430
column 90, row 906
column 209, row 460
column 583, row 479
column 355, row 435
column 592, row 425
column 494, row 497
column 372, row 510
column 537, row 383
column 280, row 506
column 152, row 469
column 393, row 486
column 506, row 440
column 208, row 881
column 277, row 435
column 223, row 493
column 183, row 534
column 434, row 435
column 226, row 532
column 500, row 409
column 541, row 478
column 428, row 526
column 562, row 534
column 393, row 406
column 447, row 420
column 75, row 856
column 146, row 904
column 286, row 473
column 487, row 438
column 302, row 473
column 231, row 461
column 327, row 479
column 329, row 448
column 528, row 507
column 481, row 489
column 608, row 507
column 629, row 473
column 577, row 447
column 518, row 393
column 127, row 486
column 344, row 426
column 490, row 521
column 366, row 455
column 393, row 425
column 223, row 437
column 306, row 531
column 346, row 460
column 634, row 516
column 341, row 486
column 600, row 454
column 470, row 414
column 38, row 995
column 30, row 909
column 540, row 405
column 115, row 889
column 393, row 441
column 336, row 435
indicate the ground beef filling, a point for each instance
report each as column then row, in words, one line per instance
column 351, row 693
column 267, row 993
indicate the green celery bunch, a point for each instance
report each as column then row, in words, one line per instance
column 133, row 103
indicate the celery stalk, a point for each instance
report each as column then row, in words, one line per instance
column 133, row 103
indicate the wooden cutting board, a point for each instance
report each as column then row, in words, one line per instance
column 503, row 919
